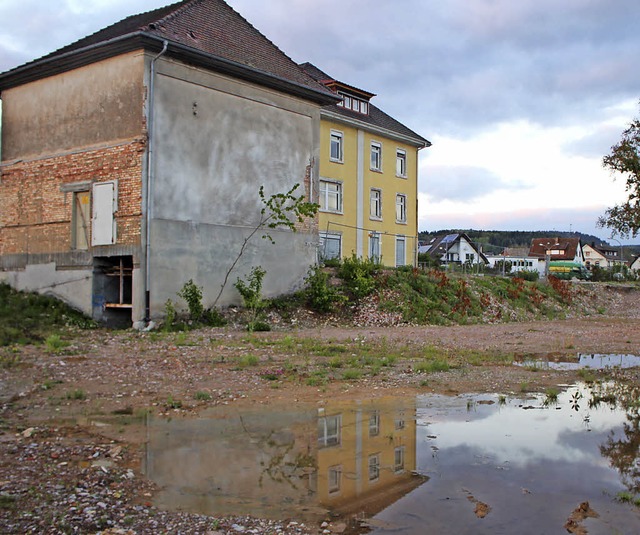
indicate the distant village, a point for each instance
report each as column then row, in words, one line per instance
column 458, row 249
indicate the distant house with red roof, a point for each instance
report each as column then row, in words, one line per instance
column 601, row 256
column 543, row 249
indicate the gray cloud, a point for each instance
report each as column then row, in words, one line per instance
column 596, row 144
column 462, row 183
column 456, row 66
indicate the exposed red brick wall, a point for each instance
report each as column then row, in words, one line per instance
column 35, row 214
column 309, row 225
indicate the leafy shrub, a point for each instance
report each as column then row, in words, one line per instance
column 320, row 295
column 192, row 294
column 170, row 315
column 358, row 275
column 530, row 275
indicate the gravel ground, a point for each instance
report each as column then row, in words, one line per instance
column 59, row 473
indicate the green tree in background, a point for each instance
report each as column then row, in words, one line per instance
column 624, row 219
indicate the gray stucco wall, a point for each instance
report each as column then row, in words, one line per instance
column 215, row 142
column 94, row 104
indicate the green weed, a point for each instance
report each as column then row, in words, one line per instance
column 351, row 375
column 248, row 360
column 55, row 344
column 432, row 366
column 202, row 396
column 173, row 403
column 77, row 394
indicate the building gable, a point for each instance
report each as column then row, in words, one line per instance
column 204, row 32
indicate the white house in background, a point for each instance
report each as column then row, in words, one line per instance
column 602, row 256
column 454, row 249
column 518, row 258
column 635, row 265
column 543, row 249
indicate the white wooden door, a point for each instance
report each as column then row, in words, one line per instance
column 103, row 225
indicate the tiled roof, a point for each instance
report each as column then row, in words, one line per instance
column 208, row 26
column 376, row 117
column 540, row 246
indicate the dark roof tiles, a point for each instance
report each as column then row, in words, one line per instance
column 376, row 117
column 208, row 26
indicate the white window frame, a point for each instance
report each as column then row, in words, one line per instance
column 374, row 423
column 375, row 160
column 401, row 261
column 375, row 204
column 329, row 431
column 398, row 459
column 329, row 236
column 401, row 163
column 374, row 467
column 324, row 195
column 375, row 246
column 401, row 208
column 334, row 479
column 336, row 137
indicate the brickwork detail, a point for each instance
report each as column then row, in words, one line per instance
column 310, row 224
column 36, row 209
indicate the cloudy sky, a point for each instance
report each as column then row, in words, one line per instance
column 521, row 99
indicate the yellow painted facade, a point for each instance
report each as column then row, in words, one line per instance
column 357, row 223
column 366, row 456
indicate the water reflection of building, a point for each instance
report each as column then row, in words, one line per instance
column 272, row 462
column 366, row 455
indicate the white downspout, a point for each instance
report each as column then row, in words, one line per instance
column 147, row 253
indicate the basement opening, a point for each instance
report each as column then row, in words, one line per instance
column 113, row 290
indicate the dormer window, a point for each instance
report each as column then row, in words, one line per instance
column 353, row 103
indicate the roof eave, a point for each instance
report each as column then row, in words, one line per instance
column 416, row 141
column 65, row 62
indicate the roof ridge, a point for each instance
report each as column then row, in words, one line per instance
column 172, row 14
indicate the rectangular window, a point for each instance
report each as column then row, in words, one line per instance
column 376, row 156
column 336, row 146
column 401, row 251
column 330, row 196
column 374, row 424
column 401, row 208
column 364, row 107
column 398, row 464
column 375, row 210
column 374, row 467
column 401, row 163
column 374, row 246
column 334, row 478
column 329, row 430
column 399, row 421
column 330, row 246
column 80, row 220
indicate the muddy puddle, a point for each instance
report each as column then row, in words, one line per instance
column 556, row 463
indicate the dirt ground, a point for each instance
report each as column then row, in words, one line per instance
column 60, row 472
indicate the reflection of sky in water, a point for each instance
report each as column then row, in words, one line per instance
column 519, row 436
column 531, row 464
column 531, row 467
column 595, row 361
